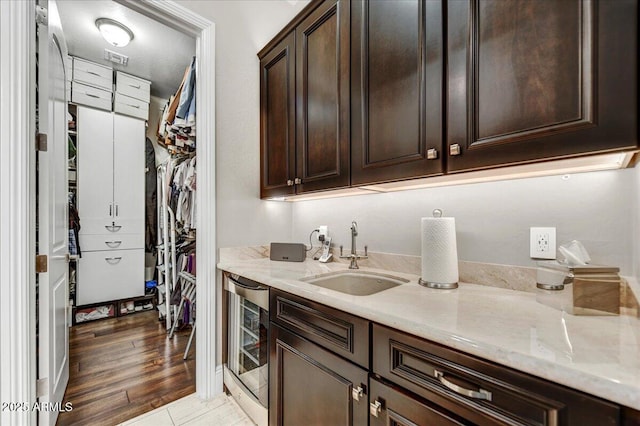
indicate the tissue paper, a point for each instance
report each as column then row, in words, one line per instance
column 573, row 253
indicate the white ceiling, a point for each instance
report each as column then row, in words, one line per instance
column 157, row 53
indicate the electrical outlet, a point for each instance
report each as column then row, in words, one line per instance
column 543, row 243
column 323, row 232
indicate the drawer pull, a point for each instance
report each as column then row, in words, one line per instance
column 357, row 393
column 94, row 73
column 134, row 86
column 113, row 244
column 133, row 106
column 91, row 95
column 479, row 394
column 113, row 228
column 375, row 408
column 113, row 260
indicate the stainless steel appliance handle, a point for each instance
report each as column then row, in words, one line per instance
column 257, row 294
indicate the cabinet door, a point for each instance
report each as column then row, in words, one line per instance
column 322, row 90
column 529, row 80
column 311, row 386
column 110, row 275
column 393, row 407
column 128, row 173
column 277, row 119
column 396, row 90
column 95, row 170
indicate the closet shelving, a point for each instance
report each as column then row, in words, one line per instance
column 176, row 184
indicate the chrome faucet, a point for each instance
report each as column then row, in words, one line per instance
column 354, row 256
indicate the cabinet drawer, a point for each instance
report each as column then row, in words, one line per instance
column 91, row 96
column 131, row 106
column 110, row 242
column 92, row 74
column 335, row 330
column 399, row 408
column 134, row 87
column 478, row 390
column 110, row 275
column 114, row 227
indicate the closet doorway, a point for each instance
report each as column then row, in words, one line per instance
column 138, row 347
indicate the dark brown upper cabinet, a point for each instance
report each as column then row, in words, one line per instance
column 322, row 94
column 531, row 80
column 396, row 90
column 277, row 119
column 304, row 103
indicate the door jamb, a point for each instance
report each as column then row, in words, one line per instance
column 17, row 211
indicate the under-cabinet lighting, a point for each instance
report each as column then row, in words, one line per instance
column 549, row 168
column 592, row 163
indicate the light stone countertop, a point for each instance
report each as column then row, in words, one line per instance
column 599, row 355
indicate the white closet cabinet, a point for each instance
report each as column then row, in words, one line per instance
column 111, row 186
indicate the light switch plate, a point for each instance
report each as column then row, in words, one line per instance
column 542, row 243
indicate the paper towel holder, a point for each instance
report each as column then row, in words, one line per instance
column 437, row 213
column 439, row 286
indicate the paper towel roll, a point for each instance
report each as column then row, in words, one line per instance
column 439, row 251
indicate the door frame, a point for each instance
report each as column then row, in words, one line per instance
column 18, row 201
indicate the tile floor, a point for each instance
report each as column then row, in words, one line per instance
column 192, row 411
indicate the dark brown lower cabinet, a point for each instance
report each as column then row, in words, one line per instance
column 479, row 391
column 309, row 385
column 391, row 406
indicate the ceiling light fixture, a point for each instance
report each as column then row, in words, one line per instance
column 114, row 32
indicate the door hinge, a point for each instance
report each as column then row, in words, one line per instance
column 42, row 387
column 41, row 142
column 41, row 263
column 42, row 15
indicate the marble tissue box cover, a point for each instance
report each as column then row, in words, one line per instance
column 520, row 278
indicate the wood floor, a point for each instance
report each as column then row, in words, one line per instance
column 123, row 367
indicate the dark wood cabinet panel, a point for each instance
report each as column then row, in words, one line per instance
column 480, row 391
column 277, row 119
column 531, row 80
column 311, row 386
column 397, row 408
column 322, row 90
column 344, row 334
column 396, row 89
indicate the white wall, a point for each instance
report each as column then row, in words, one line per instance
column 242, row 29
column 492, row 219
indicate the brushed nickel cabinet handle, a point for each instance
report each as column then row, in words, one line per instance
column 479, row 394
column 357, row 393
column 375, row 408
column 297, row 181
column 92, row 95
column 455, row 149
column 289, row 182
column 432, row 154
column 133, row 106
column 113, row 228
column 113, row 260
column 134, row 86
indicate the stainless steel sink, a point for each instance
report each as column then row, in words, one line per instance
column 356, row 283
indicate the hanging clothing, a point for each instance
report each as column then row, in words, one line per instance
column 150, row 197
column 74, row 226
